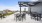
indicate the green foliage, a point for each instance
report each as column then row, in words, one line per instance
column 6, row 14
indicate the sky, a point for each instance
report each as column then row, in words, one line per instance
column 12, row 4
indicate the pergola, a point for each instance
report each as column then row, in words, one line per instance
column 22, row 4
column 26, row 4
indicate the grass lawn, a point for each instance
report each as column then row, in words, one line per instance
column 9, row 13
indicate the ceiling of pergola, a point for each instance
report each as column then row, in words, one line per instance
column 28, row 3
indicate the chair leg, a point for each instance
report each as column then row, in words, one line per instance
column 37, row 17
column 40, row 16
column 16, row 19
column 22, row 19
column 31, row 17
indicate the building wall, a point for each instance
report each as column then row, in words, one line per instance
column 36, row 8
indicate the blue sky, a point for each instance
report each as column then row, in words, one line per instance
column 10, row 4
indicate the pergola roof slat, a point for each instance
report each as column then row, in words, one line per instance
column 28, row 3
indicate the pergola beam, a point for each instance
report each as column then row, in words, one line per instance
column 22, row 4
column 25, row 4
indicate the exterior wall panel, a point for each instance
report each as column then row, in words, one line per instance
column 37, row 8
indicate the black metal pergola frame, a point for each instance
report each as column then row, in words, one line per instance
column 27, row 4
column 23, row 4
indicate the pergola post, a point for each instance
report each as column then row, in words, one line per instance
column 20, row 9
column 29, row 10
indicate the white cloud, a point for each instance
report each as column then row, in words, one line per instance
column 29, row 0
column 34, row 0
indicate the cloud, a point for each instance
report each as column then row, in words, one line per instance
column 29, row 0
column 34, row 0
